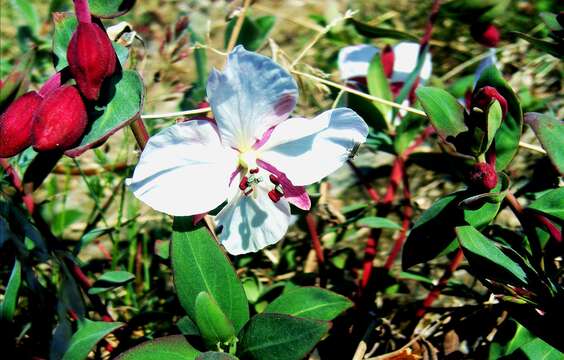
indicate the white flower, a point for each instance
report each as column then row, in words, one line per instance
column 353, row 61
column 253, row 155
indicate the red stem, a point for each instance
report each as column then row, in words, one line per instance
column 434, row 294
column 550, row 227
column 140, row 132
column 407, row 214
column 369, row 255
column 372, row 193
column 315, row 242
column 82, row 11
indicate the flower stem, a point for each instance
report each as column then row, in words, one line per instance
column 406, row 221
column 82, row 11
column 443, row 281
column 238, row 26
column 140, row 132
column 315, row 242
column 372, row 193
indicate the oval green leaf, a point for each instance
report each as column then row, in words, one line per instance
column 214, row 326
column 198, row 265
column 110, row 280
column 380, row 32
column 110, row 8
column 311, row 303
column 444, row 111
column 375, row 222
column 87, row 336
column 123, row 108
column 174, row 347
column 8, row 306
column 550, row 132
column 550, row 203
column 279, row 336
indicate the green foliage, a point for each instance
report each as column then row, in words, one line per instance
column 550, row 132
column 169, row 347
column 88, row 334
column 111, row 280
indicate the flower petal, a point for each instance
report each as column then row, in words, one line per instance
column 296, row 195
column 308, row 150
column 405, row 61
column 252, row 94
column 353, row 61
column 184, row 169
column 250, row 223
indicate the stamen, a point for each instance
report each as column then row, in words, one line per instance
column 254, row 171
column 279, row 189
column 274, row 179
column 244, row 183
column 274, row 196
column 248, row 191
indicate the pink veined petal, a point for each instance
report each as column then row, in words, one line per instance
column 250, row 223
column 184, row 169
column 249, row 96
column 296, row 195
column 307, row 150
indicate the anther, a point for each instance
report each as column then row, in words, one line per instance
column 244, row 183
column 274, row 179
column 274, row 196
column 248, row 191
column 254, row 171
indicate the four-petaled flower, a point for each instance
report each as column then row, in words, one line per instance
column 253, row 155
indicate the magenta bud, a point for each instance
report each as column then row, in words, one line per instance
column 15, row 124
column 60, row 120
column 483, row 176
column 91, row 58
column 486, row 34
column 484, row 97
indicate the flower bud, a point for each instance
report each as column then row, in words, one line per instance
column 60, row 120
column 486, row 34
column 483, row 98
column 15, row 124
column 91, row 58
column 483, row 176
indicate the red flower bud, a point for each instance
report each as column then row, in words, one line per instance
column 15, row 124
column 483, row 176
column 483, row 98
column 60, row 120
column 486, row 34
column 91, row 58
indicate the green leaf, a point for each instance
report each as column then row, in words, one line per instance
column 253, row 33
column 174, row 347
column 311, row 303
column 8, row 306
column 444, row 111
column 280, row 337
column 198, row 265
column 375, row 222
column 89, row 237
column 508, row 135
column 88, row 334
column 550, row 132
column 381, row 33
column 65, row 25
column 214, row 355
column 490, row 258
column 111, row 280
column 214, row 326
column 494, row 122
column 187, row 326
column 433, row 233
column 550, row 203
column 549, row 47
column 378, row 84
column 26, row 10
column 64, row 219
column 110, row 8
column 123, row 108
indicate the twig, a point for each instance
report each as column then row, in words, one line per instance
column 177, row 114
column 315, row 242
column 140, row 132
column 238, row 26
column 359, row 93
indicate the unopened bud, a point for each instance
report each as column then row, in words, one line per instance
column 486, row 34
column 60, row 120
column 15, row 124
column 91, row 58
column 483, row 176
column 484, row 97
